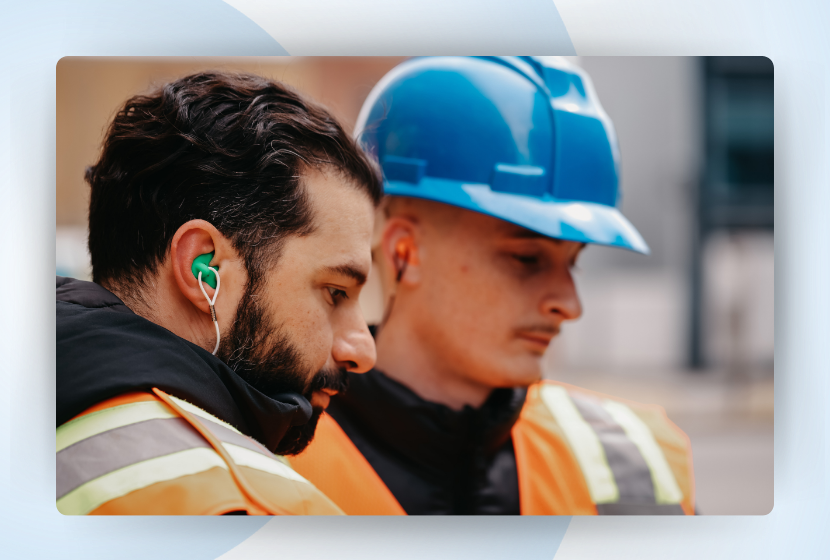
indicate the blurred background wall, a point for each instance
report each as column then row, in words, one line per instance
column 689, row 327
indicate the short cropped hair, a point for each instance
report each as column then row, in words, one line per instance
column 226, row 148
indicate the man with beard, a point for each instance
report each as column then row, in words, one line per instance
column 230, row 227
column 498, row 172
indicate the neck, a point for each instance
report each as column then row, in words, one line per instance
column 158, row 303
column 403, row 356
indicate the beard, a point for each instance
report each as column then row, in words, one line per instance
column 262, row 354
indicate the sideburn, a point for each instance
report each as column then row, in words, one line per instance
column 259, row 352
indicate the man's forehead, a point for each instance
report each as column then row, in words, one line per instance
column 337, row 200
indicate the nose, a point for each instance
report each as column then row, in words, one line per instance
column 561, row 299
column 354, row 347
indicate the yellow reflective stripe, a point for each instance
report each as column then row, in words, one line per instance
column 109, row 419
column 247, row 458
column 195, row 410
column 584, row 443
column 666, row 490
column 95, row 493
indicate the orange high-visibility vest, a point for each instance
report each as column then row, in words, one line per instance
column 155, row 454
column 578, row 452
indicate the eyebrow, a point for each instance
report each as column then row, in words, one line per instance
column 517, row 232
column 350, row 270
column 523, row 233
column 529, row 234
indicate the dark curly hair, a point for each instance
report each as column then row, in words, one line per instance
column 227, row 148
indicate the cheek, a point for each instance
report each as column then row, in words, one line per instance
column 474, row 306
column 311, row 332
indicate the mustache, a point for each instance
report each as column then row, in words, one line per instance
column 540, row 328
column 333, row 378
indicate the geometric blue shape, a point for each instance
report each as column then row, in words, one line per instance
column 408, row 170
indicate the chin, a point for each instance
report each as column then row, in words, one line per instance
column 516, row 372
column 523, row 381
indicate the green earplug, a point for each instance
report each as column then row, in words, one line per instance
column 200, row 264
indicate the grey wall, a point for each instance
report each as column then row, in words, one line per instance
column 636, row 308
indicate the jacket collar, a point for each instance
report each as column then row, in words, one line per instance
column 103, row 349
column 87, row 294
column 425, row 432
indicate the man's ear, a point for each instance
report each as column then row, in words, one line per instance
column 191, row 240
column 401, row 250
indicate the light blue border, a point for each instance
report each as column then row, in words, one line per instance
column 412, row 27
column 35, row 35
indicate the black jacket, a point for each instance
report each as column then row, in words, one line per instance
column 105, row 350
column 434, row 460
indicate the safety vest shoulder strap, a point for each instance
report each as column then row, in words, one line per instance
column 154, row 454
column 583, row 452
column 336, row 466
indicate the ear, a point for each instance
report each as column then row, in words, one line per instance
column 401, row 249
column 191, row 240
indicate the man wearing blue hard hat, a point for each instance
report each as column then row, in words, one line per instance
column 498, row 172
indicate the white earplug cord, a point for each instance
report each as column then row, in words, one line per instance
column 211, row 302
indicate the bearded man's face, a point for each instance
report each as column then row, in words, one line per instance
column 299, row 326
column 262, row 354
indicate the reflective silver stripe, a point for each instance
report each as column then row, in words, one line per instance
column 113, row 452
column 109, row 419
column 193, row 409
column 584, row 443
column 110, row 440
column 245, row 441
column 247, row 458
column 666, row 488
column 121, row 482
column 230, row 436
column 639, row 509
column 631, row 472
column 108, row 451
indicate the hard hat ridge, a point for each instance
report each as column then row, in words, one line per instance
column 519, row 138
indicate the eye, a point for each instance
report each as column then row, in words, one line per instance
column 573, row 264
column 337, row 295
column 528, row 260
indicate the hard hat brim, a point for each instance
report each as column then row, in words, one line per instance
column 570, row 220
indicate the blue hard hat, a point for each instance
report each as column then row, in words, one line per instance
column 519, row 138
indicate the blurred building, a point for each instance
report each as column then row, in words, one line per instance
column 696, row 180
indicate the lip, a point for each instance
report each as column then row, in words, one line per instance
column 322, row 398
column 542, row 340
